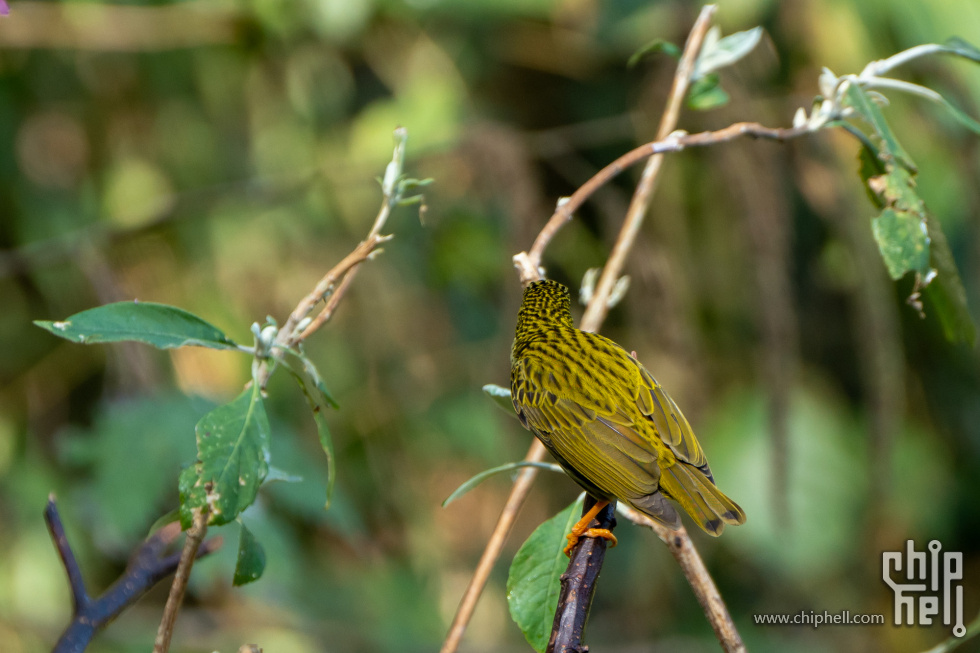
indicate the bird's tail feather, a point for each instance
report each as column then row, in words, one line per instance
column 700, row 498
column 656, row 506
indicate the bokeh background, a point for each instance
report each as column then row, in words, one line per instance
column 221, row 155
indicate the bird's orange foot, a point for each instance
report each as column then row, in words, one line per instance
column 581, row 528
column 573, row 539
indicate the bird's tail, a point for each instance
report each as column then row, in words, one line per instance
column 700, row 498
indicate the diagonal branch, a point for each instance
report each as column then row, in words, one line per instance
column 587, row 559
column 682, row 548
column 146, row 568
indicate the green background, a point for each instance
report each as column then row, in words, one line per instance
column 221, row 156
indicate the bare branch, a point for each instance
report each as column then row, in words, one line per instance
column 531, row 260
column 522, row 486
column 146, row 568
column 680, row 546
column 596, row 311
column 195, row 534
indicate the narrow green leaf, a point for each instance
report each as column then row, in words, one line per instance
column 326, row 442
column 653, row 47
column 956, row 45
column 303, row 369
column 707, row 93
column 717, row 54
column 963, row 118
column 159, row 325
column 903, row 241
column 533, row 583
column 484, row 475
column 232, row 460
column 946, row 293
column 251, row 559
column 317, row 397
column 281, row 475
column 501, row 397
column 953, row 642
column 858, row 99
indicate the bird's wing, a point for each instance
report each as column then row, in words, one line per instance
column 671, row 424
column 584, row 432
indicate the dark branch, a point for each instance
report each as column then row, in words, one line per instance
column 146, row 568
column 578, row 586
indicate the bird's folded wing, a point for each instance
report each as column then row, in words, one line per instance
column 611, row 455
column 671, row 424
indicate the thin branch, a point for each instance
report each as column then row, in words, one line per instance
column 528, row 263
column 596, row 311
column 680, row 546
column 334, row 284
column 146, row 568
column 195, row 534
column 522, row 486
column 326, row 287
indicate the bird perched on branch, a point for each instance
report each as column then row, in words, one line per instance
column 607, row 421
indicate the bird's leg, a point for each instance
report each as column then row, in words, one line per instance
column 581, row 528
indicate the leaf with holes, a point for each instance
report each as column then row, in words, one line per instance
column 232, row 460
column 903, row 241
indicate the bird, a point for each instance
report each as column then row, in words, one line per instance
column 606, row 420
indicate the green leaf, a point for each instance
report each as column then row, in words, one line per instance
column 501, row 397
column 858, row 99
column 706, row 93
column 318, row 398
column 533, row 583
column 326, row 442
column 484, row 475
column 946, row 293
column 232, row 460
column 280, row 475
column 653, row 47
column 910, row 239
column 718, row 53
column 304, row 371
column 154, row 324
column 963, row 118
column 900, row 230
column 903, row 241
column 251, row 559
column 956, row 45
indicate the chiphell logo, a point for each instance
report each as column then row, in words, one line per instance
column 938, row 573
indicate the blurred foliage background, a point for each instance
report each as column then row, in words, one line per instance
column 220, row 155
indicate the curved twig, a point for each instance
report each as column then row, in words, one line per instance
column 528, row 263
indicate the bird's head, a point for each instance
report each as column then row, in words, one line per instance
column 546, row 303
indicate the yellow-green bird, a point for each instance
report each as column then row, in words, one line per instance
column 607, row 421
